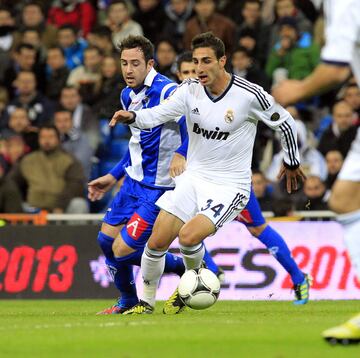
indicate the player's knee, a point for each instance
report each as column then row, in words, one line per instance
column 187, row 237
column 256, row 230
column 105, row 242
column 157, row 244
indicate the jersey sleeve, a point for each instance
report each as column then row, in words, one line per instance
column 184, row 138
column 265, row 109
column 170, row 109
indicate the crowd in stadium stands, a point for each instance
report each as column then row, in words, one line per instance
column 60, row 83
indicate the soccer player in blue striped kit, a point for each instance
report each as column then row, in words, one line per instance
column 128, row 222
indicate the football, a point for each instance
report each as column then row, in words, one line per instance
column 199, row 288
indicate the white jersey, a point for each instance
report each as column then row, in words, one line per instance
column 222, row 129
column 342, row 47
column 342, row 33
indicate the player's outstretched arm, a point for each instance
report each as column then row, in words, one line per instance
column 122, row 116
column 97, row 188
column 177, row 165
column 292, row 176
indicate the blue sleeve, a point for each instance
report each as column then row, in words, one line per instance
column 184, row 138
column 119, row 170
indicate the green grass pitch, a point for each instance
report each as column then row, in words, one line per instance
column 69, row 328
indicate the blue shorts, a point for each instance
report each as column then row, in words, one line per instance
column 134, row 205
column 251, row 215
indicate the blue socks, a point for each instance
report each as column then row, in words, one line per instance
column 173, row 264
column 278, row 248
column 210, row 264
column 121, row 273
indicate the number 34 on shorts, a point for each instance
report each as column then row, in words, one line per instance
column 216, row 208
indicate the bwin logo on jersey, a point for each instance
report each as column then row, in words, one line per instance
column 210, row 134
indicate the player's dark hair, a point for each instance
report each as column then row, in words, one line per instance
column 207, row 39
column 183, row 57
column 138, row 42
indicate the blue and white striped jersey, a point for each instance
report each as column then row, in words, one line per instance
column 151, row 150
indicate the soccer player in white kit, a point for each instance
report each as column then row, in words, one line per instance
column 222, row 111
column 340, row 54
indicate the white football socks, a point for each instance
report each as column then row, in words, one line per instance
column 152, row 267
column 351, row 225
column 192, row 255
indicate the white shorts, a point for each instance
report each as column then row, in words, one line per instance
column 351, row 167
column 192, row 196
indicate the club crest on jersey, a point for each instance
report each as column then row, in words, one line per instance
column 229, row 116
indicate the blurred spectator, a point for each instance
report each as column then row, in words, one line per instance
column 150, row 15
column 15, row 148
column 251, row 14
column 72, row 45
column 79, row 13
column 287, row 8
column 10, row 197
column 334, row 162
column 7, row 40
column 32, row 36
column 87, row 77
column 290, row 54
column 207, row 19
column 313, row 198
column 231, row 9
column 57, row 72
column 178, row 12
column 112, row 83
column 39, row 108
column 83, row 116
column 100, row 37
column 4, row 100
column 247, row 39
column 73, row 140
column 23, row 59
column 19, row 123
column 243, row 65
column 341, row 132
column 262, row 190
column 351, row 95
column 283, row 208
column 32, row 16
column 185, row 66
column 165, row 53
column 312, row 161
column 52, row 179
column 120, row 22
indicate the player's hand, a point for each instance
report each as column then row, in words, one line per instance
column 99, row 187
column 292, row 176
column 122, row 117
column 177, row 165
column 287, row 92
